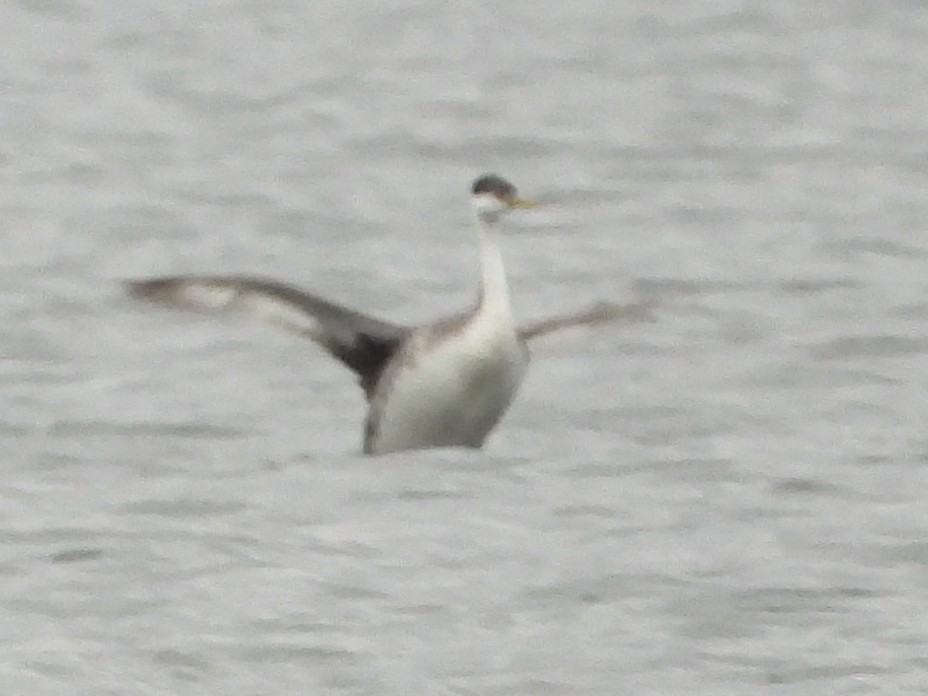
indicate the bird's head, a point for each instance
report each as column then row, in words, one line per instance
column 493, row 196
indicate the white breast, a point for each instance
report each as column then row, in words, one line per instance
column 449, row 391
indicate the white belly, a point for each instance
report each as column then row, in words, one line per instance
column 451, row 394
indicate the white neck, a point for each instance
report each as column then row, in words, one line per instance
column 494, row 299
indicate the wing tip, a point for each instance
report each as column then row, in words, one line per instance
column 153, row 289
column 610, row 311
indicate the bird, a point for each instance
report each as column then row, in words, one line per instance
column 442, row 384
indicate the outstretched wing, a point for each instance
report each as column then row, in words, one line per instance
column 363, row 343
column 597, row 314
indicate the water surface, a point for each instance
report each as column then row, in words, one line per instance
column 726, row 500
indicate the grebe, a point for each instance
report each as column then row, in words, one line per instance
column 443, row 384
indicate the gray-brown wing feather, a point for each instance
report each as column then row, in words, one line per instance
column 598, row 314
column 361, row 342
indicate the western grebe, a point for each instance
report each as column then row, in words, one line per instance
column 443, row 384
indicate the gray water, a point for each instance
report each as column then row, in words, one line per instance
column 729, row 499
